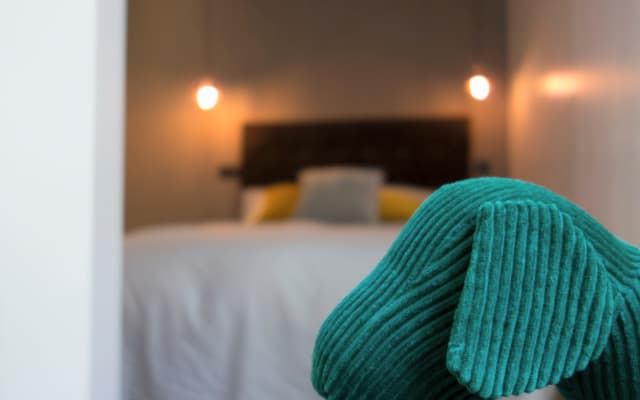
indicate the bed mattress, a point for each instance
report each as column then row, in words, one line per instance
column 231, row 311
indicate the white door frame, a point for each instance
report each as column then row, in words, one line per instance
column 62, row 79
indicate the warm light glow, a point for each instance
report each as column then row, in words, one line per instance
column 479, row 87
column 207, row 97
column 561, row 84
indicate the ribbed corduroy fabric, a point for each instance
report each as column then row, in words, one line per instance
column 494, row 287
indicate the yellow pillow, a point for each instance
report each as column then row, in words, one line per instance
column 397, row 205
column 279, row 202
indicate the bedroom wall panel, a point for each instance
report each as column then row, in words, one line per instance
column 574, row 101
column 541, row 124
column 169, row 158
column 61, row 132
column 291, row 61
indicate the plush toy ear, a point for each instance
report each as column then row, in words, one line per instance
column 537, row 304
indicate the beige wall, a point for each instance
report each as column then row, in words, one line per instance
column 298, row 60
column 169, row 171
column 574, row 104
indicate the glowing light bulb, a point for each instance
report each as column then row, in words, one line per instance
column 479, row 87
column 207, row 97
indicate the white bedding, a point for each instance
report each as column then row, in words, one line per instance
column 231, row 311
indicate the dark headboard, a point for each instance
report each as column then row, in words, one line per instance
column 427, row 152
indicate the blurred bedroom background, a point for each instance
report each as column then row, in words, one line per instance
column 572, row 64
column 274, row 150
column 287, row 62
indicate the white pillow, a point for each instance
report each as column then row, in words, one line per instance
column 252, row 202
column 339, row 194
column 253, row 198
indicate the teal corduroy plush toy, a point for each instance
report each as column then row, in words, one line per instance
column 495, row 287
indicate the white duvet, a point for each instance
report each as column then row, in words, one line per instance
column 231, row 311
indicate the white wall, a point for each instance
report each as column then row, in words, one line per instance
column 61, row 79
column 574, row 104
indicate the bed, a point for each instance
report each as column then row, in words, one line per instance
column 230, row 310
